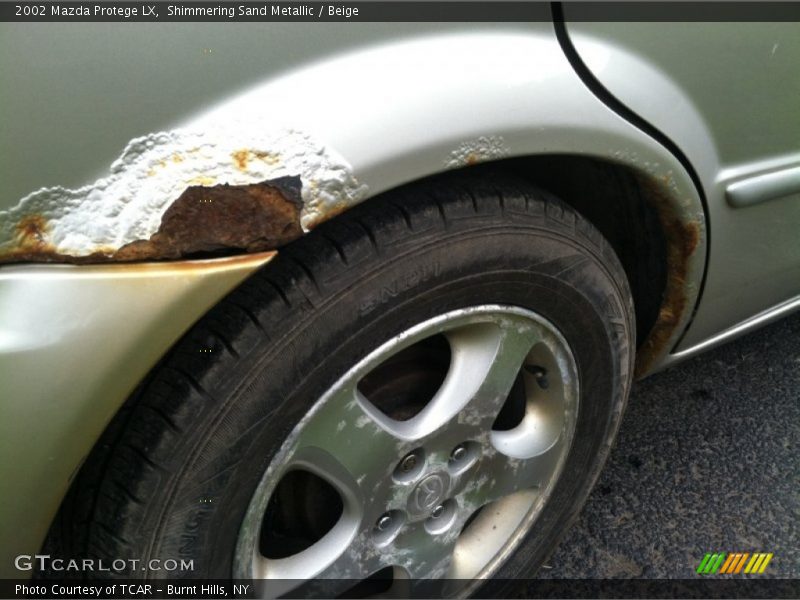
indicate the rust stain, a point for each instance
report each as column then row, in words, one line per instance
column 253, row 218
column 49, row 255
column 187, row 265
column 202, row 180
column 242, row 158
column 103, row 261
column 31, row 233
column 162, row 164
column 683, row 238
column 268, row 157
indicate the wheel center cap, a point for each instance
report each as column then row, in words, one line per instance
column 429, row 493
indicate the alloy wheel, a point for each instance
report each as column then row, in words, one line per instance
column 428, row 460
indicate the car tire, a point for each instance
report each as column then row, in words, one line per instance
column 182, row 469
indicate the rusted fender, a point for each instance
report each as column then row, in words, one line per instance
column 181, row 193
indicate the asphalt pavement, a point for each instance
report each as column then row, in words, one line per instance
column 707, row 460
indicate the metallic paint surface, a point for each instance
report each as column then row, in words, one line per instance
column 726, row 94
column 74, row 343
column 763, row 188
column 763, row 318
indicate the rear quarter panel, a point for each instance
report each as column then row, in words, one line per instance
column 727, row 94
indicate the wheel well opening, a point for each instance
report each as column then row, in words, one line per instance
column 612, row 199
column 615, row 199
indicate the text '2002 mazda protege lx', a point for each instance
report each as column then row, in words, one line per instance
column 364, row 300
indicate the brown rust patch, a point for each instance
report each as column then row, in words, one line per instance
column 683, row 238
column 49, row 255
column 253, row 218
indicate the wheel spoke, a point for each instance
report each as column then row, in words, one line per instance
column 346, row 443
column 486, row 361
column 423, row 555
column 332, row 565
column 498, row 475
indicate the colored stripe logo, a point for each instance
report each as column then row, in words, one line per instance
column 733, row 563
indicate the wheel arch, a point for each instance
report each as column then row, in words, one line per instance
column 654, row 235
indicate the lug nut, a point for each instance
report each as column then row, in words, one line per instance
column 410, row 466
column 384, row 523
column 438, row 511
column 408, row 463
column 459, row 453
column 387, row 527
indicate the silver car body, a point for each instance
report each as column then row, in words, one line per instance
column 384, row 104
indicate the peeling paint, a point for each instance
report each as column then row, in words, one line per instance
column 482, row 149
column 363, row 421
column 154, row 182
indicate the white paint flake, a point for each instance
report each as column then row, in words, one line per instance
column 482, row 149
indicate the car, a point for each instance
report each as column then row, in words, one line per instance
column 362, row 303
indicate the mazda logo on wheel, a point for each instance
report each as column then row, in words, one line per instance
column 429, row 492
